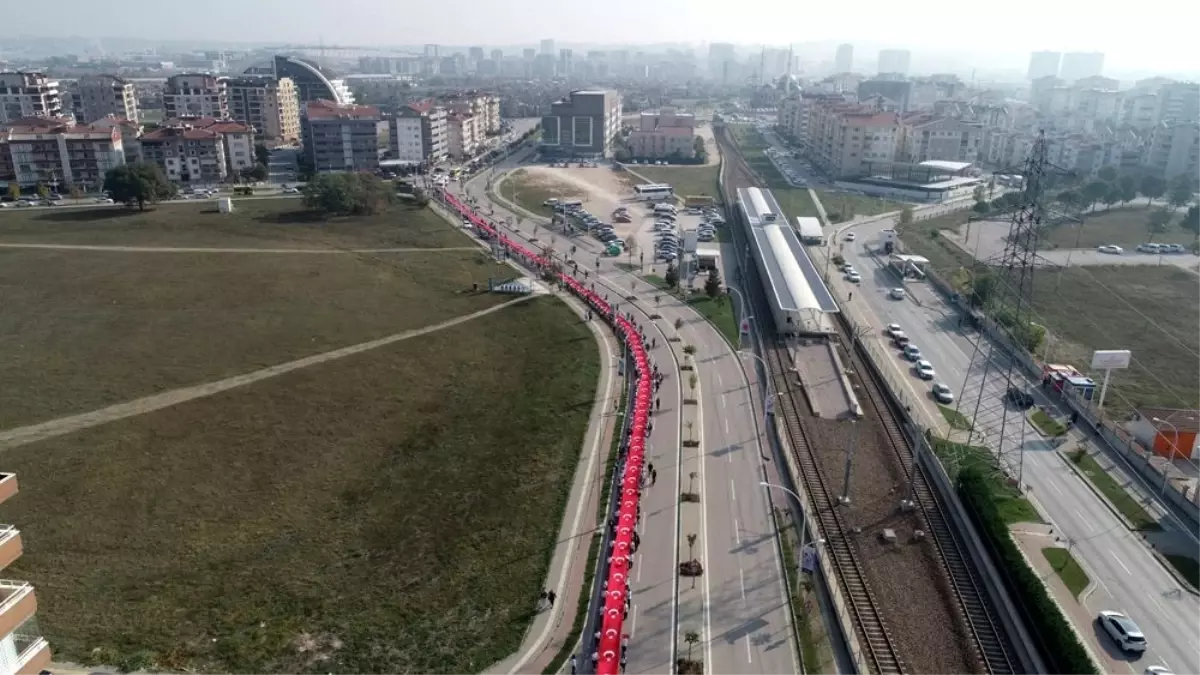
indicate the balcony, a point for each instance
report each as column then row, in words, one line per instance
column 31, row 649
column 8, row 486
column 10, row 545
column 18, row 604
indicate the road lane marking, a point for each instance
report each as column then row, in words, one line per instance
column 732, row 493
column 742, row 576
column 1054, row 484
column 1114, row 555
column 1087, row 524
column 719, row 380
column 749, row 658
column 727, row 425
column 737, row 532
column 703, row 528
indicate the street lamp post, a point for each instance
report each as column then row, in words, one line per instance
column 803, row 520
column 741, row 309
column 1174, row 449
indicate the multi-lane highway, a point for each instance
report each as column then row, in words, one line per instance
column 1128, row 577
column 739, row 605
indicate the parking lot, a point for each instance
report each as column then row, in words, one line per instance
column 657, row 232
column 796, row 170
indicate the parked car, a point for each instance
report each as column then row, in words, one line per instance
column 1150, row 248
column 900, row 339
column 1123, row 631
column 1110, row 249
column 942, row 393
column 1173, row 248
column 912, row 352
column 1020, row 398
column 925, row 370
column 892, row 329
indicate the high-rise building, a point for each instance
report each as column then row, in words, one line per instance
column 339, row 137
column 548, row 47
column 1043, row 64
column 96, row 96
column 268, row 105
column 721, row 62
column 475, row 54
column 582, row 125
column 431, row 52
column 894, row 61
column 419, row 133
column 1078, row 65
column 26, row 94
column 497, row 55
column 196, row 95
column 56, row 154
column 1173, row 150
column 566, row 65
column 843, row 60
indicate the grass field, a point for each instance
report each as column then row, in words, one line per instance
column 529, row 191
column 954, row 418
column 118, row 326
column 393, row 511
column 858, row 205
column 687, row 180
column 795, row 202
column 1121, row 226
column 257, row 223
column 1187, row 566
column 957, row 457
column 1067, row 569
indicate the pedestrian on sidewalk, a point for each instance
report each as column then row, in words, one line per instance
column 573, row 671
column 657, row 404
column 542, row 600
column 650, row 467
column 653, row 477
column 551, row 595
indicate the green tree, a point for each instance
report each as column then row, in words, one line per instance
column 258, row 172
column 672, row 276
column 979, row 193
column 701, row 151
column 1152, row 188
column 1181, row 191
column 14, row 190
column 347, row 193
column 261, row 154
column 1094, row 192
column 1157, row 221
column 42, row 190
column 1112, row 195
column 1070, row 199
column 1107, row 174
column 1191, row 221
column 137, row 184
column 712, row 285
column 983, row 288
column 1129, row 188
column 906, row 215
column 420, row 198
column 981, row 207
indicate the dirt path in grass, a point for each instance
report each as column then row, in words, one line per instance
column 72, row 423
column 180, row 249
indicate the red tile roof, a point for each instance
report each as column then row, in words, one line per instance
column 421, row 106
column 170, row 133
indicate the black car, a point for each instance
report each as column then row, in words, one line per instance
column 1020, row 398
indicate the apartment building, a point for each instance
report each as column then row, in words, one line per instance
column 96, row 96
column 843, row 59
column 1043, row 64
column 25, row 94
column 485, row 108
column 1078, row 65
column 925, row 137
column 131, row 135
column 895, row 61
column 268, row 105
column 58, row 153
column 341, row 137
column 462, row 136
column 583, row 124
column 23, row 650
column 419, row 133
column 187, row 155
column 1173, row 149
column 897, row 91
column 843, row 138
column 664, row 134
column 794, row 113
column 237, row 140
column 196, row 95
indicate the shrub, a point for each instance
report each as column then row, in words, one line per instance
column 1059, row 643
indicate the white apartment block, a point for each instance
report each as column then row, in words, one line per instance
column 925, row 137
column 58, row 154
column 665, row 134
column 269, row 105
column 25, row 94
column 196, row 95
column 97, row 96
column 463, row 136
column 427, row 119
column 485, row 108
column 843, row 139
column 1173, row 149
column 405, row 139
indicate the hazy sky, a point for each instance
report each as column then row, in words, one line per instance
column 1153, row 34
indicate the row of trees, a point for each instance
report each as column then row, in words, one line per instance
column 342, row 194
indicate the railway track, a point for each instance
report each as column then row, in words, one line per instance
column 838, row 547
column 989, row 641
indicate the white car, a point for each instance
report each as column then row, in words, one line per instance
column 1110, row 249
column 1123, row 631
column 911, row 352
column 291, row 191
column 850, row 236
column 942, row 394
column 892, row 329
column 925, row 370
column 896, row 293
column 853, row 277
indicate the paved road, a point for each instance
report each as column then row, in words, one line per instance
column 1129, row 578
column 739, row 605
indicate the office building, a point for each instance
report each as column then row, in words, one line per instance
column 196, row 95
column 722, row 63
column 462, row 136
column 843, row 139
column 545, row 65
column 25, row 650
column 565, row 62
column 341, row 137
column 58, row 154
column 1043, row 64
column 582, row 125
column 894, row 61
column 312, row 81
column 497, row 56
column 432, row 52
column 1078, row 65
column 547, row 47
column 475, row 54
column 96, row 96
column 27, row 94
column 266, row 104
column 419, row 133
column 843, row 60
column 667, row 134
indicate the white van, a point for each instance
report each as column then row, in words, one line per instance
column 665, row 208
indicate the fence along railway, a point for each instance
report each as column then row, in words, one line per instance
column 915, row 604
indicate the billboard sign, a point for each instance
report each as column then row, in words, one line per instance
column 1111, row 359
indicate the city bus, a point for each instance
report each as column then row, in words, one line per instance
column 654, row 192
